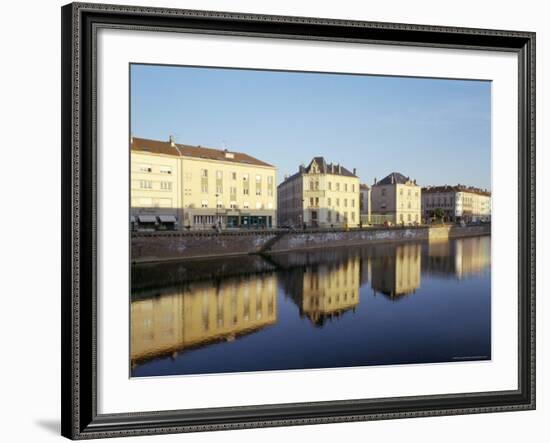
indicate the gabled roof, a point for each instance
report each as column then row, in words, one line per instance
column 329, row 168
column 393, row 178
column 324, row 168
column 179, row 150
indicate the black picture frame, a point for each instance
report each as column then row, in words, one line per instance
column 79, row 174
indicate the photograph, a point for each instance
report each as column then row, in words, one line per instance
column 299, row 220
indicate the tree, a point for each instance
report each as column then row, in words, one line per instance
column 439, row 214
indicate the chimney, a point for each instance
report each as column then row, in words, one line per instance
column 172, row 141
column 392, row 179
column 374, row 180
column 354, row 171
column 339, row 169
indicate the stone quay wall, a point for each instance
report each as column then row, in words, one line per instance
column 162, row 246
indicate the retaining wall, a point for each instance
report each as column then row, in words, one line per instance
column 157, row 246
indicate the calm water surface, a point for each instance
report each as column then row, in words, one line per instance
column 359, row 306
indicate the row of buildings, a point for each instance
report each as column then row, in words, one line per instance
column 193, row 187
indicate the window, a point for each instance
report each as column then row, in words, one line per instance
column 167, row 186
column 258, row 185
column 330, row 186
column 246, row 185
column 219, row 204
column 352, row 203
column 409, row 192
column 329, row 216
column 353, row 216
column 233, row 193
column 246, row 205
column 204, row 180
column 345, row 203
column 337, row 186
column 316, row 185
column 329, row 201
column 234, row 175
column 204, row 204
column 233, row 205
column 337, row 202
column 337, row 216
column 401, row 191
column 146, row 184
column 383, row 192
column 270, row 185
column 409, row 217
column 165, row 170
column 145, row 168
column 345, row 187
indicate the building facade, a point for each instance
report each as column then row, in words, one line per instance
column 396, row 199
column 365, row 203
column 319, row 195
column 456, row 203
column 194, row 187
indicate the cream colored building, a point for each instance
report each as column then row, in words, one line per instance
column 457, row 203
column 197, row 187
column 396, row 199
column 201, row 313
column 319, row 195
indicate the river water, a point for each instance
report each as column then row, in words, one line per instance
column 334, row 307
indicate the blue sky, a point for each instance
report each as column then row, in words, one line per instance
column 437, row 131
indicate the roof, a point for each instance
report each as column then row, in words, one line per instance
column 393, row 178
column 329, row 168
column 455, row 188
column 324, row 168
column 364, row 186
column 179, row 150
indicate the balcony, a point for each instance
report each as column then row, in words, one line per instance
column 314, row 194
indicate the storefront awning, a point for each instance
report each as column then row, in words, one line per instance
column 167, row 219
column 147, row 219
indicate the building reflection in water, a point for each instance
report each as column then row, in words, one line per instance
column 396, row 273
column 460, row 258
column 325, row 291
column 201, row 313
column 176, row 313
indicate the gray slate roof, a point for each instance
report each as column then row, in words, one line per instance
column 393, row 178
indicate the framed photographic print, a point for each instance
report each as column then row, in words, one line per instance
column 273, row 221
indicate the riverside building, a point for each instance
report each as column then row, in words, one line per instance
column 319, row 195
column 457, row 203
column 193, row 187
column 396, row 199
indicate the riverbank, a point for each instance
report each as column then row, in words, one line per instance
column 167, row 246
